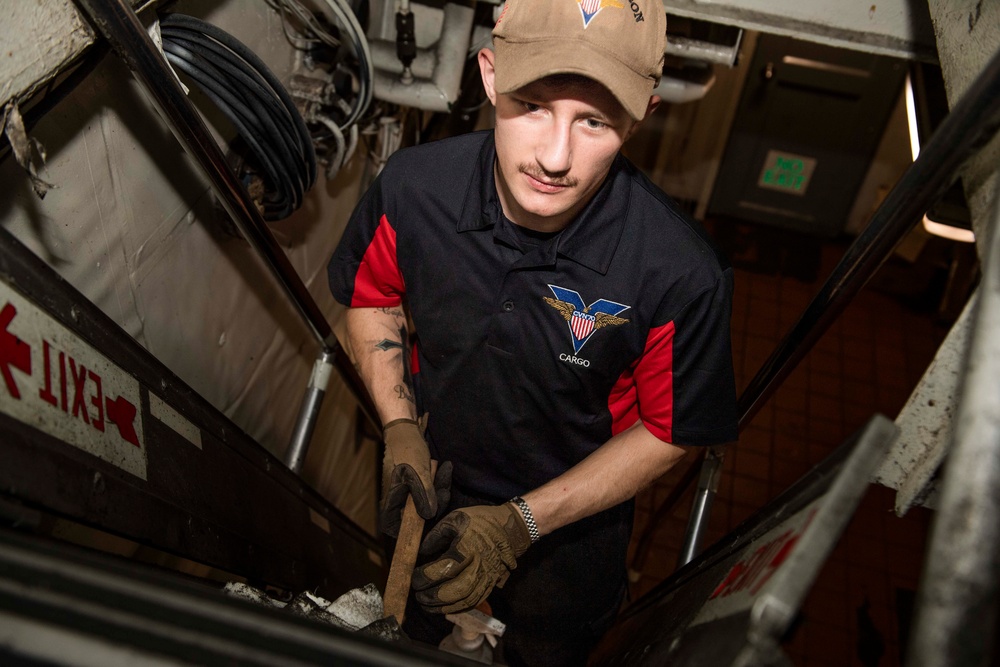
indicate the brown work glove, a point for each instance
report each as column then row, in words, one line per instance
column 406, row 470
column 480, row 545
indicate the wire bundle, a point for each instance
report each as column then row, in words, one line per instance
column 253, row 99
column 348, row 22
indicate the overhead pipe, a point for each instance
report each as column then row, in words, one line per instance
column 676, row 90
column 120, row 25
column 437, row 72
column 718, row 54
column 439, row 90
column 972, row 122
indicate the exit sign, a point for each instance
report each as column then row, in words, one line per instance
column 786, row 172
column 54, row 381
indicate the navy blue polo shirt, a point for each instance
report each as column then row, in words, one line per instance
column 532, row 355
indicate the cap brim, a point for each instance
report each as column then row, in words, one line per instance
column 521, row 63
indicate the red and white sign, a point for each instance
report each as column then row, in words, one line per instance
column 747, row 580
column 62, row 386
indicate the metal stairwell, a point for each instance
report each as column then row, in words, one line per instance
column 734, row 604
column 957, row 609
column 161, row 446
column 97, row 431
column 258, row 520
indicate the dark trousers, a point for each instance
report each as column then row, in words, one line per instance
column 562, row 597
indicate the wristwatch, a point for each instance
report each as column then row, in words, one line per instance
column 529, row 520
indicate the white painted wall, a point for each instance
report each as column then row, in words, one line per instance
column 131, row 224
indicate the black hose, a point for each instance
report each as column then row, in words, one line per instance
column 247, row 92
column 283, row 190
column 215, row 54
column 241, row 50
column 245, row 112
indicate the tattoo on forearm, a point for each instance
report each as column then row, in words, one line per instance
column 406, row 389
column 400, row 352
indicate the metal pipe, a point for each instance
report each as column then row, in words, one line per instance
column 440, row 91
column 971, row 123
column 384, row 58
column 662, row 512
column 719, row 54
column 680, row 91
column 121, row 27
column 295, row 455
column 708, row 485
column 957, row 599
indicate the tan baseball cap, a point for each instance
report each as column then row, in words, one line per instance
column 618, row 43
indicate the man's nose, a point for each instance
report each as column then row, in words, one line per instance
column 555, row 154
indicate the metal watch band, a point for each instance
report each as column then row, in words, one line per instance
column 528, row 519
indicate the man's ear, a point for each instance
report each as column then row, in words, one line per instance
column 654, row 101
column 488, row 73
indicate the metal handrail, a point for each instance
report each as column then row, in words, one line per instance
column 120, row 25
column 972, row 122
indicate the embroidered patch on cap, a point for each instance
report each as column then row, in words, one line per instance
column 591, row 8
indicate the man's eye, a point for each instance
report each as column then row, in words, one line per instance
column 595, row 124
column 530, row 108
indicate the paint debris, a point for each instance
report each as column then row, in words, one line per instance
column 13, row 126
column 359, row 610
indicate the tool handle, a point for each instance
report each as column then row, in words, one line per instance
column 404, row 558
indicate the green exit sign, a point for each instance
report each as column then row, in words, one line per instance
column 786, row 172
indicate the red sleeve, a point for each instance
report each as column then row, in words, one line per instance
column 378, row 282
column 682, row 387
column 646, row 389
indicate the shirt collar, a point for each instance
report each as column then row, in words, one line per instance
column 590, row 240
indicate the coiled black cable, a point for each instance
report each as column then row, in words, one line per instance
column 250, row 95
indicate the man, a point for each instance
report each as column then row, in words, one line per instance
column 573, row 330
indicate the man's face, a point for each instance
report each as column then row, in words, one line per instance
column 555, row 141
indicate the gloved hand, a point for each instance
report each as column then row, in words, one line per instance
column 481, row 545
column 406, row 470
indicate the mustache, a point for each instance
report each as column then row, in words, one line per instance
column 539, row 174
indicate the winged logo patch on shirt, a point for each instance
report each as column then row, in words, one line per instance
column 584, row 320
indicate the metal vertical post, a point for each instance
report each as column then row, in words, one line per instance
column 295, row 455
column 708, row 485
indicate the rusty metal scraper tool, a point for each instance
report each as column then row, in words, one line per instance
column 404, row 558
